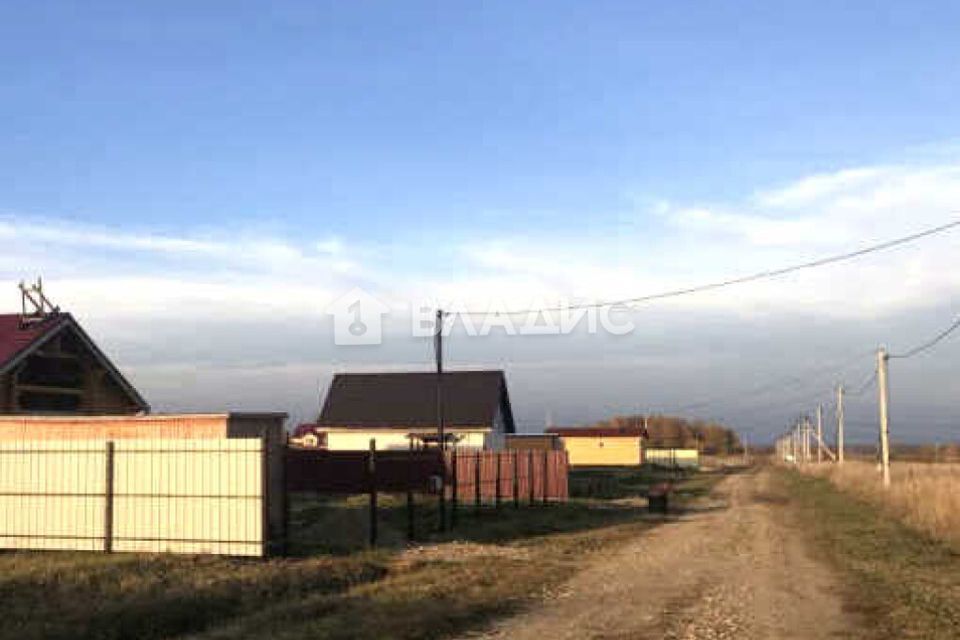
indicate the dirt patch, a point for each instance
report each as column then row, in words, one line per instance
column 731, row 569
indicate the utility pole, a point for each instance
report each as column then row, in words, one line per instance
column 820, row 433
column 438, row 349
column 797, row 448
column 839, row 424
column 442, row 439
column 882, row 382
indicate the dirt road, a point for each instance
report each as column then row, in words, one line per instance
column 732, row 568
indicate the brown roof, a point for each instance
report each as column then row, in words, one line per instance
column 383, row 400
column 595, row 432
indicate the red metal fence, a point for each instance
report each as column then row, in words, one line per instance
column 349, row 471
column 492, row 477
column 482, row 477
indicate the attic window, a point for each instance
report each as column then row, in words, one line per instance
column 55, row 402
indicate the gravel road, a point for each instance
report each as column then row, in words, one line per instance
column 730, row 568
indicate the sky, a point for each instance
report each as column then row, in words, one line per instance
column 198, row 182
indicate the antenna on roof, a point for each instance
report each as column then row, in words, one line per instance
column 39, row 305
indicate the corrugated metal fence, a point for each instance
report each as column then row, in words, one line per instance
column 492, row 477
column 348, row 472
column 182, row 496
column 481, row 476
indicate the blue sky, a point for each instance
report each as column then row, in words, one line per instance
column 363, row 117
column 218, row 155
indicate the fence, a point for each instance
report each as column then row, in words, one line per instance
column 481, row 476
column 494, row 477
column 672, row 457
column 182, row 496
column 476, row 477
column 345, row 472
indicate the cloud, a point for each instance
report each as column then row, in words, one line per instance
column 679, row 245
column 812, row 217
column 814, row 189
column 205, row 321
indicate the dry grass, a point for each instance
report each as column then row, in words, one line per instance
column 924, row 496
column 903, row 583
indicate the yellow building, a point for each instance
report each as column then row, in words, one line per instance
column 395, row 408
column 595, row 447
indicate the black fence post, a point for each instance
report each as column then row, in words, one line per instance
column 108, row 499
column 516, row 480
column 531, row 476
column 442, row 494
column 372, row 480
column 285, row 496
column 411, row 515
column 267, row 532
column 496, row 495
column 477, row 477
column 454, row 487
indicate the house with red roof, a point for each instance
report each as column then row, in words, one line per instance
column 49, row 365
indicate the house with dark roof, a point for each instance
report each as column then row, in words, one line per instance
column 49, row 365
column 397, row 408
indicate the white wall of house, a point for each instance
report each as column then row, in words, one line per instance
column 396, row 439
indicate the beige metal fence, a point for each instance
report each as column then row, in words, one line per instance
column 180, row 496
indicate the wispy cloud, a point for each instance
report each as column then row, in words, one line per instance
column 811, row 217
column 246, row 311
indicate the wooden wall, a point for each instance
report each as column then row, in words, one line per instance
column 64, row 376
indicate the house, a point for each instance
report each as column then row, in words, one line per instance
column 49, row 365
column 397, row 408
column 602, row 446
column 533, row 442
column 308, row 436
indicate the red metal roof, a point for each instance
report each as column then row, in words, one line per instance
column 602, row 432
column 15, row 338
column 303, row 429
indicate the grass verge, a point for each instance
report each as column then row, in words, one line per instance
column 904, row 583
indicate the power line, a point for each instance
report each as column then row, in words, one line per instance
column 804, row 380
column 930, row 343
column 761, row 275
column 863, row 387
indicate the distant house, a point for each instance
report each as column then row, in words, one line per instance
column 534, row 442
column 308, row 436
column 49, row 365
column 602, row 446
column 395, row 408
